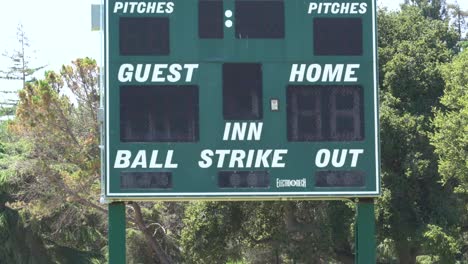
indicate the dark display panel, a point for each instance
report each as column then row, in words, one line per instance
column 210, row 19
column 242, row 91
column 243, row 179
column 144, row 36
column 259, row 19
column 338, row 36
column 159, row 113
column 340, row 179
column 325, row 113
column 145, row 180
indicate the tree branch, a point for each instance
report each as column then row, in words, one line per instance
column 154, row 245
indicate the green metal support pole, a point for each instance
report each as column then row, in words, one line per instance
column 116, row 235
column 365, row 232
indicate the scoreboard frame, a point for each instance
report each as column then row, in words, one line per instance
column 111, row 195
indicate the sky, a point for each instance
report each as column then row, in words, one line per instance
column 59, row 31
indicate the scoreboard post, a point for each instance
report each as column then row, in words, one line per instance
column 240, row 99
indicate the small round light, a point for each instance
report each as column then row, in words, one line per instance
column 228, row 13
column 228, row 23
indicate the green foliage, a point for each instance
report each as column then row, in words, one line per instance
column 210, row 234
column 441, row 244
column 451, row 122
column 53, row 178
column 411, row 49
column 267, row 232
column 138, row 251
column 7, row 111
column 450, row 140
column 19, row 244
column 434, row 9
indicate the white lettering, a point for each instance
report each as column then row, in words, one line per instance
column 322, row 158
column 332, row 75
column 339, row 163
column 362, row 8
column 337, row 8
column 153, row 162
column 140, row 160
column 325, row 73
column 227, row 128
column 350, row 72
column 355, row 153
column 278, row 157
column 299, row 73
column 168, row 164
column 122, row 159
column 142, row 77
column 144, row 7
column 236, row 157
column 262, row 158
column 174, row 69
column 190, row 69
column 118, row 6
column 222, row 153
column 238, row 131
column 313, row 72
column 125, row 73
column 158, row 72
column 255, row 131
column 206, row 155
column 312, row 7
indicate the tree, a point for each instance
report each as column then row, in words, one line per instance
column 412, row 47
column 451, row 121
column 61, row 187
column 21, row 60
column 459, row 18
column 59, row 177
column 20, row 244
column 435, row 9
column 268, row 232
column 450, row 137
column 20, row 68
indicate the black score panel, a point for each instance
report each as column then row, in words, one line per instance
column 242, row 91
column 243, row 179
column 338, row 36
column 325, row 113
column 340, row 179
column 210, row 19
column 259, row 19
column 145, row 180
column 141, row 36
column 159, row 113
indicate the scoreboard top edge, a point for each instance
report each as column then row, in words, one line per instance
column 263, row 30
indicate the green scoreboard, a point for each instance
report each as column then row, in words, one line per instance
column 240, row 99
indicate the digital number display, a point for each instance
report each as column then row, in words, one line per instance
column 259, row 19
column 337, row 36
column 159, row 113
column 340, row 179
column 210, row 19
column 146, row 180
column 144, row 36
column 325, row 113
column 243, row 179
column 242, row 91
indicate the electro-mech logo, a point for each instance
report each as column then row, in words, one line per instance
column 280, row 183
